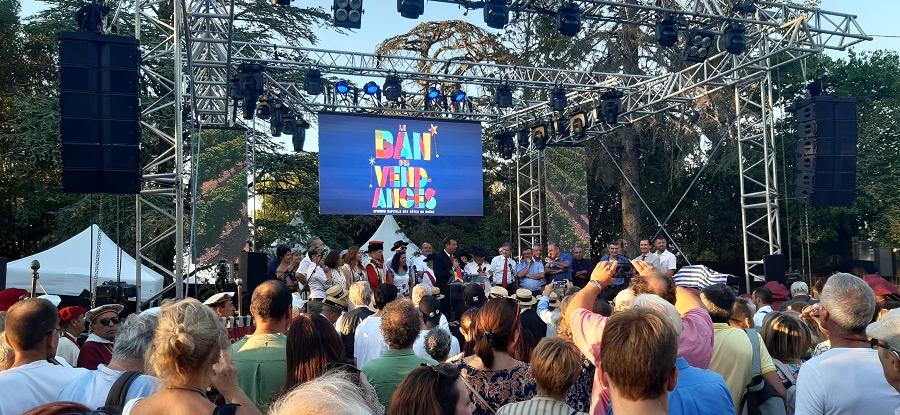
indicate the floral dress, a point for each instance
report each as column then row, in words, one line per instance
column 579, row 396
column 498, row 387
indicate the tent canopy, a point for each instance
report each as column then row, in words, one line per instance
column 66, row 268
column 389, row 232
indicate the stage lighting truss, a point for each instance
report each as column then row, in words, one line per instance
column 568, row 19
column 699, row 45
column 496, row 13
column 735, row 38
column 411, row 9
column 667, row 31
column 348, row 13
column 743, row 6
column 393, row 89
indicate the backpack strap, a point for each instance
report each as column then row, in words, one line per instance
column 754, row 343
column 227, row 409
column 119, row 390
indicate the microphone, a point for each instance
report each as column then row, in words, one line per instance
column 35, row 265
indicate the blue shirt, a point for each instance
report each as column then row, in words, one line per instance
column 537, row 267
column 698, row 392
column 624, row 270
column 567, row 274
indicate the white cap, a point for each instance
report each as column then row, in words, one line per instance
column 117, row 308
column 219, row 298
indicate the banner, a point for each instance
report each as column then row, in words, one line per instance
column 370, row 165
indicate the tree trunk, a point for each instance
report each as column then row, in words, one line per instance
column 631, row 206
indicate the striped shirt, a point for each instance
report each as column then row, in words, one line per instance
column 539, row 405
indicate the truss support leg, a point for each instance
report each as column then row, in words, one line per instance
column 529, row 209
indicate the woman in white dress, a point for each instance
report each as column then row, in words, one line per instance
column 353, row 269
column 332, row 265
column 399, row 274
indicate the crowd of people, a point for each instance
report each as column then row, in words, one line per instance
column 446, row 332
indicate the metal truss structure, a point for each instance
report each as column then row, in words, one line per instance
column 198, row 45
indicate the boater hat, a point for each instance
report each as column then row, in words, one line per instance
column 524, row 297
column 96, row 311
column 498, row 292
column 336, row 298
column 436, row 292
column 219, row 298
column 554, row 300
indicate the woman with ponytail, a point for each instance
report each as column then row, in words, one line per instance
column 189, row 355
column 493, row 376
column 432, row 390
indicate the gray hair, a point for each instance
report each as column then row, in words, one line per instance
column 360, row 294
column 333, row 393
column 663, row 307
column 437, row 344
column 623, row 300
column 850, row 302
column 135, row 337
column 799, row 287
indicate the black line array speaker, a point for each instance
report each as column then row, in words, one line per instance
column 252, row 269
column 774, row 268
column 827, row 134
column 99, row 113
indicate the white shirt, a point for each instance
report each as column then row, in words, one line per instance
column 761, row 315
column 845, row 381
column 483, row 278
column 417, row 261
column 368, row 343
column 426, row 279
column 92, row 389
column 34, row 384
column 666, row 260
column 650, row 258
column 67, row 349
column 495, row 270
column 318, row 283
column 419, row 345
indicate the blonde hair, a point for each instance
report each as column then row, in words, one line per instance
column 556, row 364
column 333, row 393
column 188, row 338
column 360, row 294
column 564, row 328
column 786, row 337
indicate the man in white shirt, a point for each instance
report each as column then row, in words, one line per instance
column 368, row 342
column 430, row 307
column 666, row 258
column 417, row 261
column 134, row 338
column 647, row 256
column 762, row 298
column 885, row 334
column 848, row 378
column 503, row 265
column 32, row 331
column 479, row 270
column 71, row 323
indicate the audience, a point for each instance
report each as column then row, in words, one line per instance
column 431, row 314
column 132, row 342
column 733, row 351
column 799, row 294
column 400, row 327
column 6, row 353
column 438, row 344
column 494, row 376
column 188, row 355
column 334, row 393
column 762, row 299
column 556, row 366
column 548, row 309
column 787, row 339
column 885, row 334
column 467, row 331
column 637, row 361
column 314, row 348
column 71, row 322
column 528, row 317
column 259, row 358
column 579, row 396
column 335, row 303
column 360, row 298
column 104, row 321
column 848, row 378
column 368, row 341
column 222, row 304
column 33, row 378
column 432, row 390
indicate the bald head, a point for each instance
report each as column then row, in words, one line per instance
column 29, row 322
column 271, row 301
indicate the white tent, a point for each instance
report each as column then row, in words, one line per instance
column 66, row 268
column 389, row 232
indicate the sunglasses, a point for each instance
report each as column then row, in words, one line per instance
column 876, row 344
column 107, row 322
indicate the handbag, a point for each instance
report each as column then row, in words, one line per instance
column 760, row 398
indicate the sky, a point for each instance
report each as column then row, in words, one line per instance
column 876, row 17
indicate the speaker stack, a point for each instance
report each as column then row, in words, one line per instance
column 827, row 133
column 100, row 113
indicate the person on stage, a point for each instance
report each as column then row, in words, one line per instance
column 478, row 270
column 416, row 263
column 647, row 256
column 375, row 271
column 502, row 269
column 104, row 326
column 581, row 267
column 446, row 267
column 530, row 270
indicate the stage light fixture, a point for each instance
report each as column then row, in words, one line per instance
column 735, row 38
column 743, row 6
column 505, row 145
column 411, row 9
column 371, row 88
column 313, row 84
column 249, row 86
column 299, row 136
column 496, row 13
column 568, row 19
column 611, row 106
column 667, row 31
column 393, row 89
column 699, row 45
column 539, row 136
column 558, row 99
column 433, row 94
column 459, row 95
column 276, row 121
column 578, row 124
column 342, row 87
column 264, row 108
column 281, row 2
column 347, row 13
column 561, row 125
column 523, row 138
column 503, row 96
column 234, row 88
column 290, row 122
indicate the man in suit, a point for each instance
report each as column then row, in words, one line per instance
column 444, row 268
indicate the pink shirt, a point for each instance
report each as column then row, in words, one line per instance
column 697, row 336
column 695, row 345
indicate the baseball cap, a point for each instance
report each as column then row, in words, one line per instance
column 887, row 330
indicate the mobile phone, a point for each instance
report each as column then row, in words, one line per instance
column 560, row 288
